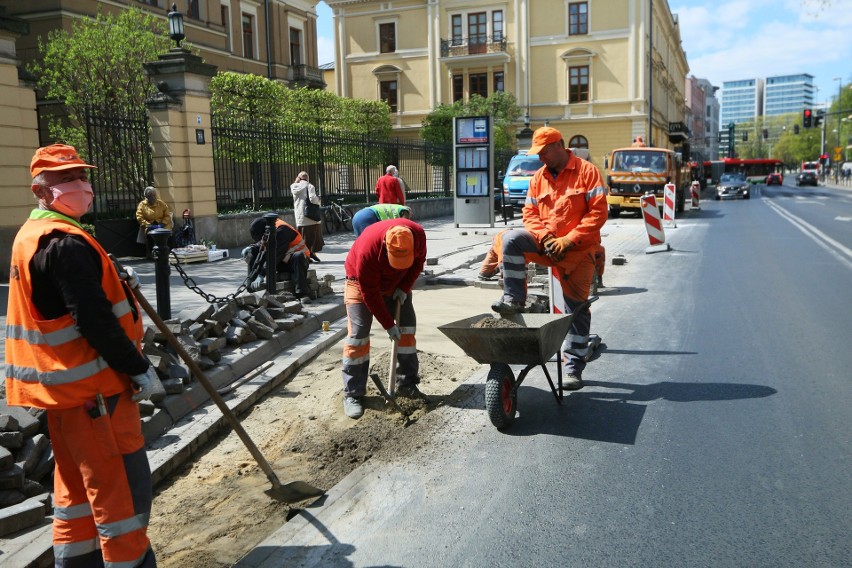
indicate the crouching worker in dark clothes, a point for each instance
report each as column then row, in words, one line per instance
column 291, row 252
column 381, row 268
column 73, row 334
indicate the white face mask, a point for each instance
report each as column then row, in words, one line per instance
column 73, row 198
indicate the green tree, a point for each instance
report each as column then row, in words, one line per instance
column 502, row 107
column 99, row 63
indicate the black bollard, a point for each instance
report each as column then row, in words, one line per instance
column 161, row 271
column 271, row 264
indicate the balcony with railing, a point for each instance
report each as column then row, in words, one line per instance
column 306, row 76
column 477, row 45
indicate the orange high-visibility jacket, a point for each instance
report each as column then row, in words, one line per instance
column 573, row 204
column 296, row 245
column 49, row 364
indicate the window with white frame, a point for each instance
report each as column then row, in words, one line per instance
column 248, row 22
column 475, row 29
column 578, row 68
column 295, row 46
column 225, row 9
column 388, row 79
column 578, row 18
column 388, row 93
column 387, row 37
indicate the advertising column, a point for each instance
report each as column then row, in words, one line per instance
column 473, row 164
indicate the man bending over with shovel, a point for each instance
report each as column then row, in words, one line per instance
column 381, row 268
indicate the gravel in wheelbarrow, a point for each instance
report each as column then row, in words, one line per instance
column 531, row 341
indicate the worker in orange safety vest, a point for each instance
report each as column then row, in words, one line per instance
column 73, row 333
column 563, row 215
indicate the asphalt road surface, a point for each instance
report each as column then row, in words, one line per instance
column 714, row 429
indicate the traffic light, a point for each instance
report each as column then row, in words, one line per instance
column 807, row 118
column 795, row 129
column 765, row 134
column 745, row 135
column 818, row 118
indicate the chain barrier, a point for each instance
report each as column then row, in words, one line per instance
column 211, row 298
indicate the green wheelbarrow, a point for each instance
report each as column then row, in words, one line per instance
column 533, row 343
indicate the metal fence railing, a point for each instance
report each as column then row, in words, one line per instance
column 119, row 145
column 255, row 163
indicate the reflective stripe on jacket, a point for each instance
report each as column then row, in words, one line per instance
column 296, row 245
column 49, row 364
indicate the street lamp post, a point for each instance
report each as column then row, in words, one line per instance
column 176, row 31
column 837, row 165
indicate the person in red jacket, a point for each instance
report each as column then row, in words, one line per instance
column 563, row 215
column 389, row 188
column 381, row 268
column 73, row 334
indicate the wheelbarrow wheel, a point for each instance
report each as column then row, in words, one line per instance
column 501, row 401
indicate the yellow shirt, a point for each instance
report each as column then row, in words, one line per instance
column 158, row 213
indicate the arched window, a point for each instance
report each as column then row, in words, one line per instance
column 578, row 142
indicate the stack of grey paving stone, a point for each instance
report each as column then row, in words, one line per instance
column 26, row 468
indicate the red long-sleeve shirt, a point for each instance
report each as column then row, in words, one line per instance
column 367, row 263
column 389, row 190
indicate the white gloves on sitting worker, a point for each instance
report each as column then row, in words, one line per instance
column 398, row 294
column 129, row 276
column 394, row 333
column 148, row 384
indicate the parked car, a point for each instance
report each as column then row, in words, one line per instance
column 516, row 182
column 775, row 178
column 731, row 186
column 806, row 177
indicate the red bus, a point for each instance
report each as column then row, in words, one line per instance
column 755, row 170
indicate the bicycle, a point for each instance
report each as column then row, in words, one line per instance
column 336, row 215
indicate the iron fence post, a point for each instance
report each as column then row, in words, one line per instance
column 161, row 271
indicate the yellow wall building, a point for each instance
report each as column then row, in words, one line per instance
column 582, row 67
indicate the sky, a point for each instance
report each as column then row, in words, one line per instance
column 729, row 40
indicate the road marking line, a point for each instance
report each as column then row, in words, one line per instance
column 833, row 247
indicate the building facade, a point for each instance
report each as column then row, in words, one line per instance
column 742, row 101
column 785, row 94
column 230, row 34
column 602, row 72
column 704, row 116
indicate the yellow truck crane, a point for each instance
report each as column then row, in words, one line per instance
column 633, row 171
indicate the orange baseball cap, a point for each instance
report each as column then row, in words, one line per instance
column 400, row 243
column 542, row 137
column 56, row 157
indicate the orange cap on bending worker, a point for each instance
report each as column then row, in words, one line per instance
column 400, row 244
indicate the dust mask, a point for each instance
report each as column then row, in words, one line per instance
column 73, row 198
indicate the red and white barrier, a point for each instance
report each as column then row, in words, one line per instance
column 653, row 225
column 669, row 197
column 557, row 300
column 695, row 190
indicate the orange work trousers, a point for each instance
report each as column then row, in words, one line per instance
column 102, row 485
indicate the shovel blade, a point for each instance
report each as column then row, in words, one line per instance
column 294, row 491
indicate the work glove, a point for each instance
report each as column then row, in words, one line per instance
column 148, row 384
column 258, row 284
column 398, row 294
column 394, row 333
column 556, row 247
column 129, row 276
column 245, row 254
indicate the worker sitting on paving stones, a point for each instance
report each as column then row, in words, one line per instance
column 563, row 215
column 381, row 269
column 291, row 252
column 375, row 213
column 73, row 331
